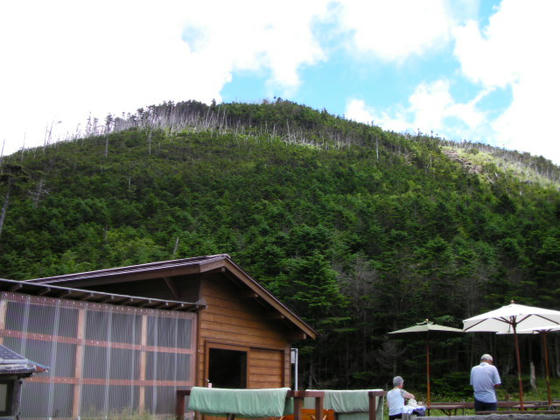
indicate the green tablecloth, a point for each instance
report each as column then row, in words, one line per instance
column 241, row 402
column 348, row 404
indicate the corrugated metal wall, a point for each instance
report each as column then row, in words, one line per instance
column 103, row 359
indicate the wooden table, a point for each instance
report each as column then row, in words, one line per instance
column 447, row 408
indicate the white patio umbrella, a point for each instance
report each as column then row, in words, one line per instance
column 425, row 327
column 543, row 331
column 509, row 319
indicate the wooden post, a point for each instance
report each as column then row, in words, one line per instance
column 428, row 369
column 516, row 341
column 298, row 397
column 180, row 403
column 319, row 408
column 298, row 405
column 78, row 367
column 143, row 342
column 372, row 397
column 372, row 406
column 545, row 348
column 3, row 308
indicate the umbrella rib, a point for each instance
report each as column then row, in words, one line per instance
column 504, row 320
column 480, row 322
column 548, row 319
column 474, row 325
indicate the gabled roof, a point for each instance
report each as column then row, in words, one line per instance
column 181, row 267
column 151, row 270
column 61, row 292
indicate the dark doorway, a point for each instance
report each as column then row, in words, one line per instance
column 227, row 368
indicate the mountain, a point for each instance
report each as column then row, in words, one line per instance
column 360, row 230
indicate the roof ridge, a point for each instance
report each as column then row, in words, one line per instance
column 131, row 268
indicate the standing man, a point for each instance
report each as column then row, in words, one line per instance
column 484, row 379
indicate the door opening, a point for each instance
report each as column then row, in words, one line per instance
column 227, row 368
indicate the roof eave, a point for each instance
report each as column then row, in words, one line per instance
column 172, row 268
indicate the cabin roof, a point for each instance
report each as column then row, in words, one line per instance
column 61, row 292
column 181, row 267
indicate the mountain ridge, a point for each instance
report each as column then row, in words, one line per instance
column 273, row 119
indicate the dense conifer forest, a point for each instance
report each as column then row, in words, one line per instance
column 359, row 230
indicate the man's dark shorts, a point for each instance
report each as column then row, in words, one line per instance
column 484, row 406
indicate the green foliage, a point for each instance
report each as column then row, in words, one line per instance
column 360, row 231
column 453, row 385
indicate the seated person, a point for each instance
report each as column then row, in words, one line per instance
column 395, row 401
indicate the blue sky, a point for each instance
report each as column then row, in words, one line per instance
column 480, row 70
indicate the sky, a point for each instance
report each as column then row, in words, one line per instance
column 479, row 70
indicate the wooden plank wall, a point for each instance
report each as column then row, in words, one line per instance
column 234, row 318
column 266, row 368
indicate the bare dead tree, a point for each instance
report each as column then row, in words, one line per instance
column 175, row 247
column 10, row 176
column 39, row 192
column 4, row 209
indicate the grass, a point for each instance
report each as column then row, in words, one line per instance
column 125, row 415
column 516, row 169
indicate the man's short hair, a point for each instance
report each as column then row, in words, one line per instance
column 486, row 357
column 398, row 380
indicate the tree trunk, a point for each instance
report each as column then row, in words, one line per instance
column 39, row 193
column 532, row 376
column 4, row 209
column 175, row 247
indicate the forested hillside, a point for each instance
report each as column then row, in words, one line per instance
column 360, row 231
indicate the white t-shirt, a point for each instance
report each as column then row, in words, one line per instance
column 483, row 379
column 395, row 401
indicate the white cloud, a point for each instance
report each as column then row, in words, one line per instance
column 64, row 59
column 358, row 110
column 518, row 48
column 429, row 109
column 394, row 30
column 432, row 103
column 257, row 35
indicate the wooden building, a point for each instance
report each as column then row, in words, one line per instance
column 132, row 335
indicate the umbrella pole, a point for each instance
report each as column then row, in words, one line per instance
column 428, row 370
column 547, row 368
column 518, row 366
